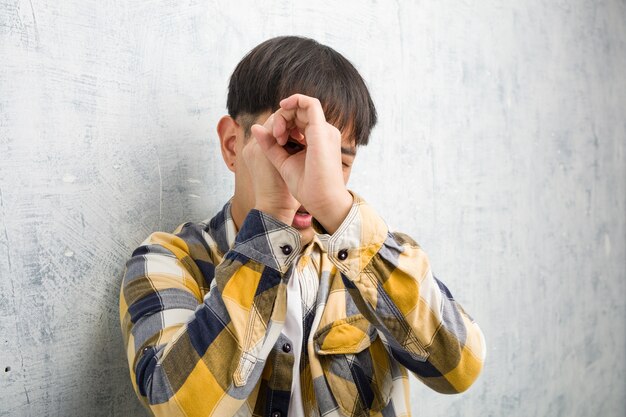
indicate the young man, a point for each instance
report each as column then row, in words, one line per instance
column 295, row 299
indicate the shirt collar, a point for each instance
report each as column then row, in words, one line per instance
column 222, row 228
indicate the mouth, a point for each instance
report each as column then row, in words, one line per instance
column 302, row 219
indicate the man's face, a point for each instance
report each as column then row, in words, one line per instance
column 244, row 190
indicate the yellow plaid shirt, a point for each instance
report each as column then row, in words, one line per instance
column 202, row 309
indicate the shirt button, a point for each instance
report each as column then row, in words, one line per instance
column 286, row 348
column 287, row 249
column 276, row 414
column 343, row 254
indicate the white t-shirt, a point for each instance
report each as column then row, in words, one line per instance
column 301, row 294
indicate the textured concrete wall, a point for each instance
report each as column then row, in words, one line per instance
column 500, row 148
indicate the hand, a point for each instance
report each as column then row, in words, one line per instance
column 270, row 191
column 314, row 175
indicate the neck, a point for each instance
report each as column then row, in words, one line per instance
column 238, row 213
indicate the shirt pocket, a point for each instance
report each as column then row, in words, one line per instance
column 356, row 365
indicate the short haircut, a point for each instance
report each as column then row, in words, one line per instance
column 285, row 65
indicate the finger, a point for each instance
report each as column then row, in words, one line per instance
column 269, row 123
column 280, row 128
column 273, row 151
column 287, row 125
column 307, row 109
column 297, row 135
column 261, row 132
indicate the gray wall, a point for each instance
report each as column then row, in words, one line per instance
column 500, row 148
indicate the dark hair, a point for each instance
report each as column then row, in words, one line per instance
column 285, row 65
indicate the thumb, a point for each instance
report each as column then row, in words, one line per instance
column 275, row 153
column 261, row 133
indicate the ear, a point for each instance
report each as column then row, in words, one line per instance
column 227, row 130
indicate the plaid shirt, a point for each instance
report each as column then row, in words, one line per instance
column 202, row 310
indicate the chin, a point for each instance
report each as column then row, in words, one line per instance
column 306, row 235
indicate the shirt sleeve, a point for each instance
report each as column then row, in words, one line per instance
column 196, row 330
column 421, row 324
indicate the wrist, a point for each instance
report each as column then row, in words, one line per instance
column 284, row 215
column 335, row 212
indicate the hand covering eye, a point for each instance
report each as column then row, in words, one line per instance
column 292, row 146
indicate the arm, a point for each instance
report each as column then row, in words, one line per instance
column 194, row 350
column 198, row 348
column 388, row 274
column 390, row 279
